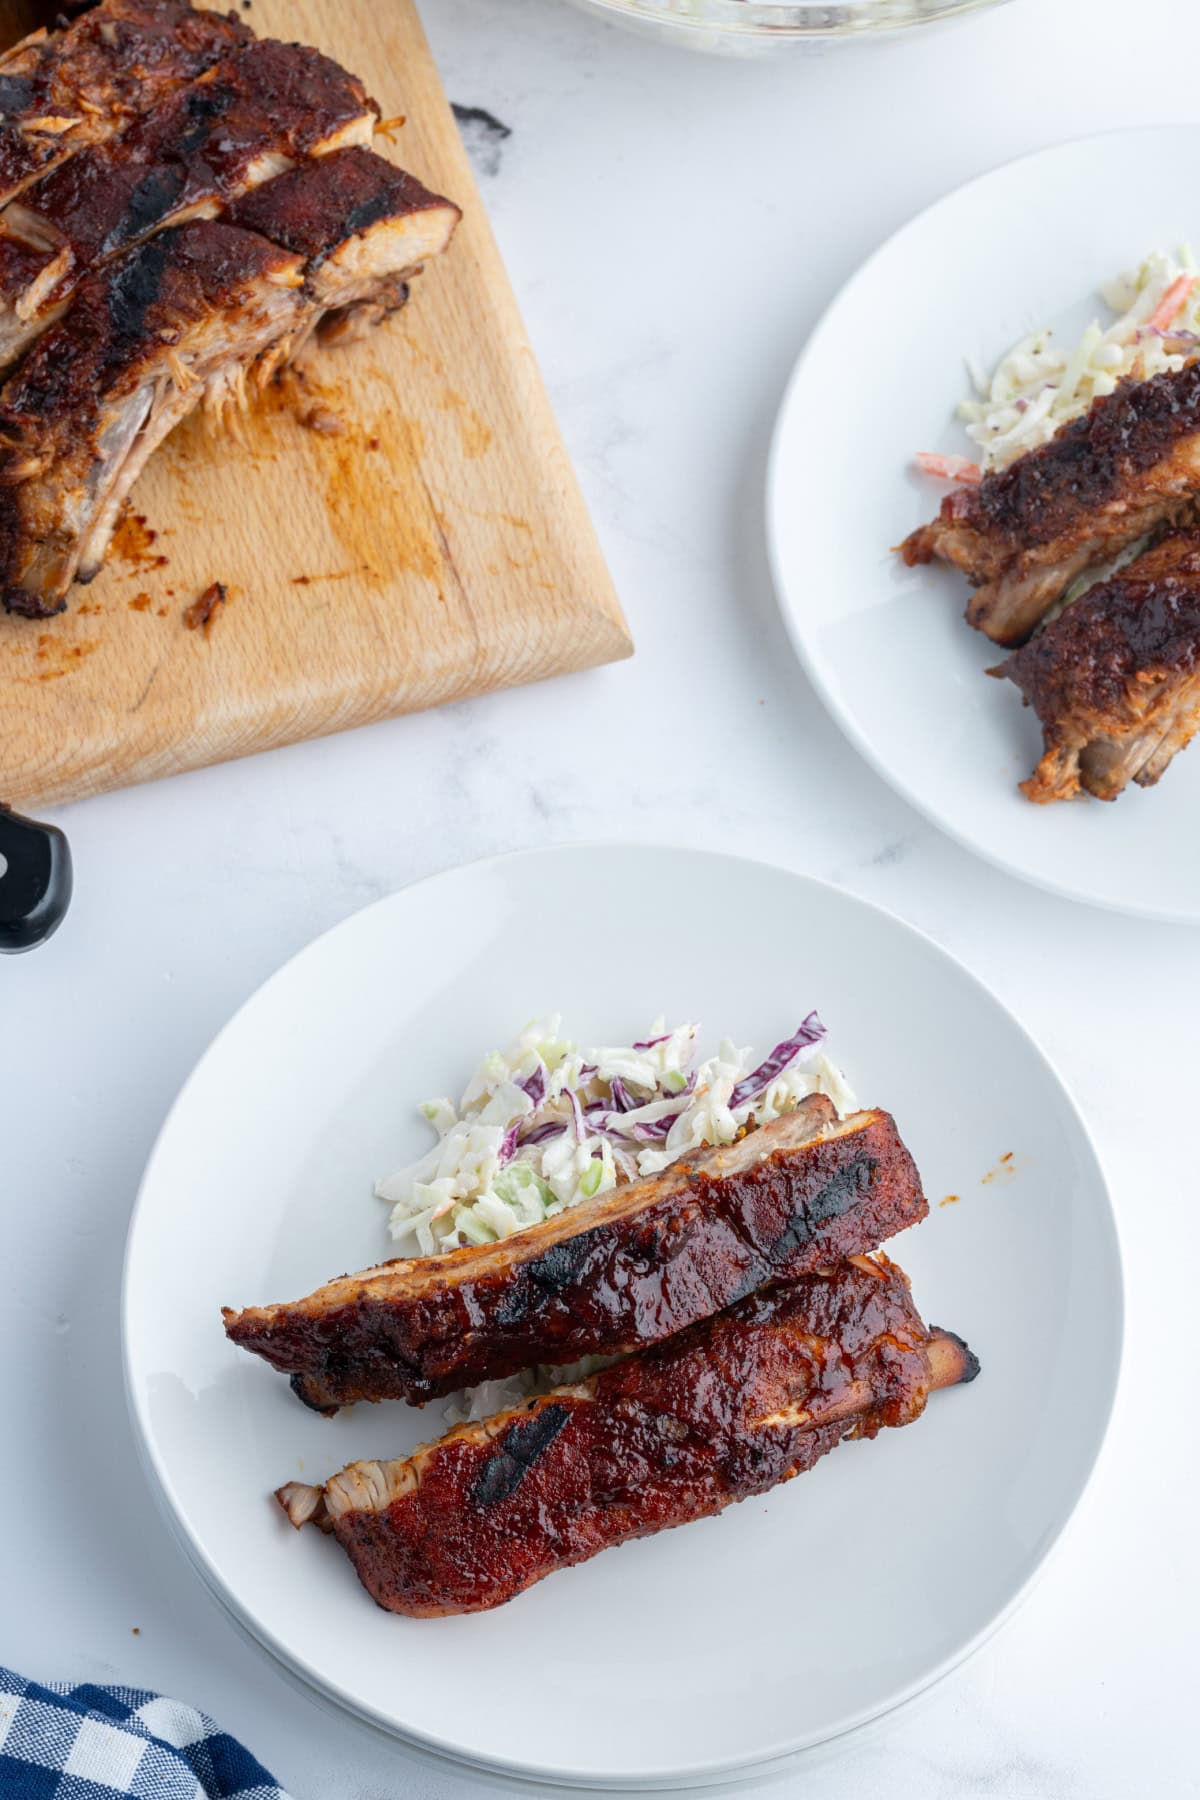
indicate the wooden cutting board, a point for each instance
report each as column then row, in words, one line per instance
column 436, row 548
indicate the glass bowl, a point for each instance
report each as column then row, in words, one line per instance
column 760, row 27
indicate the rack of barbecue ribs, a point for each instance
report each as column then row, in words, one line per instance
column 1128, row 467
column 727, row 1409
column 626, row 1269
column 1115, row 679
column 186, row 209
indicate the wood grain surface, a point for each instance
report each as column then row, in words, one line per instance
column 435, row 548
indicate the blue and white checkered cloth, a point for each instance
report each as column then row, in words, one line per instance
column 114, row 1743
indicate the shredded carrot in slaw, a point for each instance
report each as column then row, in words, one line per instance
column 1172, row 302
column 949, row 468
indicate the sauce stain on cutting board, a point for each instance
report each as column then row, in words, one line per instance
column 133, row 543
column 360, row 489
column 56, row 658
column 473, row 429
column 378, row 505
column 476, row 433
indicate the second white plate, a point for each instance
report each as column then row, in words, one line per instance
column 887, row 647
column 790, row 1618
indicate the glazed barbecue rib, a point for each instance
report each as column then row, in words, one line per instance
column 1115, row 679
column 386, row 220
column 728, row 1409
column 1129, row 466
column 246, row 119
column 196, row 314
column 622, row 1270
column 63, row 90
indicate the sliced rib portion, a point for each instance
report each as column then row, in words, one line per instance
column 625, row 1269
column 364, row 229
column 372, row 202
column 199, row 313
column 138, row 350
column 1115, row 680
column 63, row 90
column 727, row 1409
column 246, row 119
column 1130, row 466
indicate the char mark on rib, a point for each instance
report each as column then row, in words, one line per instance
column 626, row 1269
column 133, row 290
column 524, row 1442
column 1129, row 467
column 722, row 1411
column 1115, row 679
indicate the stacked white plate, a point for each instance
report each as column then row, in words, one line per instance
column 687, row 1656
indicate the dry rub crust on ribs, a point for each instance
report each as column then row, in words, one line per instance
column 1115, row 680
column 248, row 118
column 725, row 1410
column 197, row 314
column 359, row 190
column 1129, row 466
column 625, row 1269
column 63, row 90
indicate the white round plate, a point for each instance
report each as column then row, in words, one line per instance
column 887, row 647
column 790, row 1618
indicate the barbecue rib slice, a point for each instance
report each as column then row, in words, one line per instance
column 246, row 119
column 1129, row 466
column 1115, row 680
column 197, row 313
column 613, row 1273
column 728, row 1409
column 63, row 90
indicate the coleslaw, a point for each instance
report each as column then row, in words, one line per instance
column 545, row 1124
column 1039, row 386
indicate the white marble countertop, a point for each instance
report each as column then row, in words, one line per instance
column 673, row 225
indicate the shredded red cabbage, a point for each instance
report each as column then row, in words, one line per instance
column 576, row 1114
column 539, row 1134
column 782, row 1057
column 651, row 1131
column 508, row 1147
column 535, row 1085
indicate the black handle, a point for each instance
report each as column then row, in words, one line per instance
column 35, row 881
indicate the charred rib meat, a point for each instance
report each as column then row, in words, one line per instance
column 1129, row 466
column 625, row 1269
column 728, row 1409
column 246, row 119
column 194, row 315
column 63, row 90
column 1115, row 680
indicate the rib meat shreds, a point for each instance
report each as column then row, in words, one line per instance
column 1129, row 466
column 1115, row 679
column 625, row 1269
column 63, row 90
column 203, row 312
column 247, row 119
column 726, row 1410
